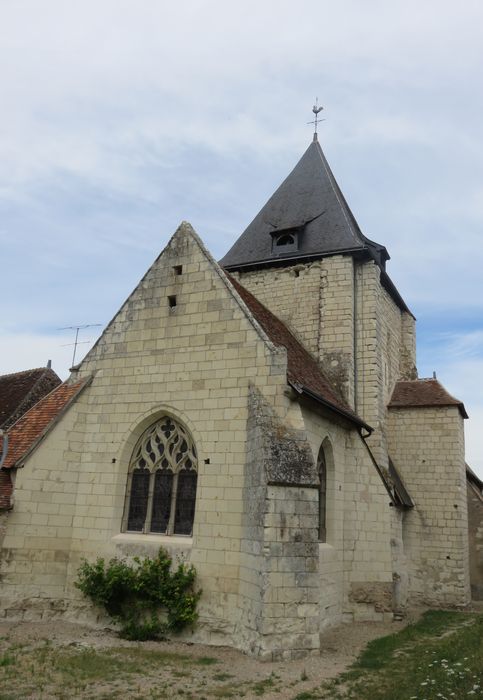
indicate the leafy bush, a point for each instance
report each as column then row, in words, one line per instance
column 146, row 598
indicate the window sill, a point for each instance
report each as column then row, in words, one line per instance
column 161, row 540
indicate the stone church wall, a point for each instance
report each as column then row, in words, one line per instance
column 338, row 309
column 475, row 530
column 427, row 445
column 315, row 300
column 292, row 294
column 196, row 362
column 355, row 563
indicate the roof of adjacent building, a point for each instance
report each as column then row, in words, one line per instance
column 303, row 372
column 21, row 390
column 32, row 427
column 309, row 204
column 474, row 479
column 421, row 393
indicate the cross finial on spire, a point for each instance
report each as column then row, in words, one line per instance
column 316, row 109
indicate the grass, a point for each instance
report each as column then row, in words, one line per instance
column 438, row 658
column 263, row 686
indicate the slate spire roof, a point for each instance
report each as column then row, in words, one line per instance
column 310, row 206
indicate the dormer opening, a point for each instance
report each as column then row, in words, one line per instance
column 284, row 241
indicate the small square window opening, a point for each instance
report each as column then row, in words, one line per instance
column 178, row 269
column 172, row 302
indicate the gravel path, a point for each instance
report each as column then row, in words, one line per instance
column 171, row 669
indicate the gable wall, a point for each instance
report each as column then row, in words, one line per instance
column 197, row 363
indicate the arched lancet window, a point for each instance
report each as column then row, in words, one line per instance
column 163, row 474
column 322, row 471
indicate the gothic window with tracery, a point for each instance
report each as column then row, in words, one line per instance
column 163, row 474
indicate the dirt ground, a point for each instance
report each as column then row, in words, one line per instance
column 46, row 660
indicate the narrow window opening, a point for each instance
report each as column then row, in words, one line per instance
column 322, row 469
column 178, row 269
column 172, row 301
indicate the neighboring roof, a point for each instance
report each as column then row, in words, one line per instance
column 474, row 478
column 303, row 372
column 25, row 434
column 21, row 390
column 423, row 392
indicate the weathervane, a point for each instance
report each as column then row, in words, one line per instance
column 316, row 109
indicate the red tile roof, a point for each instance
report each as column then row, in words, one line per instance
column 423, row 392
column 302, row 369
column 21, row 390
column 34, row 424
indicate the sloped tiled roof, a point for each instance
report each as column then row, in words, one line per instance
column 21, row 390
column 302, row 369
column 423, row 392
column 33, row 425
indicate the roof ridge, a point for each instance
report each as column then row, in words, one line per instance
column 338, row 194
column 25, row 371
column 434, row 393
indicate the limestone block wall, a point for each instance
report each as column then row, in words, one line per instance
column 355, row 570
column 316, row 301
column 385, row 351
column 427, row 445
column 279, row 563
column 367, row 553
column 338, row 308
column 195, row 361
column 475, row 531
column 291, row 293
column 336, row 333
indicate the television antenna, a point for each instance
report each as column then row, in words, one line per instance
column 77, row 341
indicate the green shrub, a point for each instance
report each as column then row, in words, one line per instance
column 147, row 598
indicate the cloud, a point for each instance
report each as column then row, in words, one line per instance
column 120, row 119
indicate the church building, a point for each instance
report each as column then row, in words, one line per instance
column 261, row 418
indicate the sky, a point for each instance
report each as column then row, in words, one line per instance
column 119, row 119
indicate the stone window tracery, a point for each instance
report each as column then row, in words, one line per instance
column 162, row 480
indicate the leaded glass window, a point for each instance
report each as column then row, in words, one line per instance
column 163, row 473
